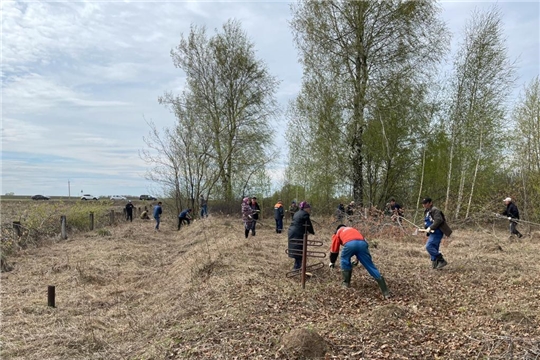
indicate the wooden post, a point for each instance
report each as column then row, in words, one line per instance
column 91, row 221
column 112, row 217
column 17, row 228
column 63, row 223
column 51, row 294
column 304, row 260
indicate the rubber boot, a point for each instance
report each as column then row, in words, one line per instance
column 347, row 274
column 246, row 233
column 384, row 288
column 441, row 262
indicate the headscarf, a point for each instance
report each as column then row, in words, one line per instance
column 304, row 205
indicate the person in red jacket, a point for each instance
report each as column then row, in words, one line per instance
column 353, row 243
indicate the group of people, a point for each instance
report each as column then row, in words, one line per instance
column 354, row 245
column 349, row 239
column 184, row 217
column 251, row 211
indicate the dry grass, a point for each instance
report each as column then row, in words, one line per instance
column 207, row 293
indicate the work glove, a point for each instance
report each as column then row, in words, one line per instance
column 428, row 230
column 509, row 218
column 331, row 265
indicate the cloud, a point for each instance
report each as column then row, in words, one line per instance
column 33, row 92
column 80, row 78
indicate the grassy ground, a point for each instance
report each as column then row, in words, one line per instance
column 206, row 292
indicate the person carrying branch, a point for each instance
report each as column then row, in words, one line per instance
column 513, row 216
column 354, row 244
column 436, row 227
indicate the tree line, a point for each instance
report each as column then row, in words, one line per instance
column 376, row 117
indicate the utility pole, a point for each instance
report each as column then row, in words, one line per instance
column 69, row 190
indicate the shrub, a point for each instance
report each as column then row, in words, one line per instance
column 42, row 220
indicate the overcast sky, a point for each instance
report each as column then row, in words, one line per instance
column 80, row 78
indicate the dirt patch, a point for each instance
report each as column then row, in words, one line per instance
column 389, row 311
column 493, row 248
column 516, row 317
column 303, row 344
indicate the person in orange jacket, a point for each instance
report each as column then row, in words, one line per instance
column 354, row 243
column 279, row 213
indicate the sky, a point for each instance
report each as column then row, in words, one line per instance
column 80, row 81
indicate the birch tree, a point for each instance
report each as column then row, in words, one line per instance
column 526, row 138
column 484, row 76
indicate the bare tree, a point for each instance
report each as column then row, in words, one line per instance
column 233, row 95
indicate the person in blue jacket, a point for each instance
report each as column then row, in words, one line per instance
column 157, row 214
column 184, row 217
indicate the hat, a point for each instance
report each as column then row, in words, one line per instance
column 304, row 205
column 352, row 203
column 245, row 200
column 427, row 200
column 129, row 200
column 508, row 199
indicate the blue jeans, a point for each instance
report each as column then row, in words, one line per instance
column 204, row 211
column 157, row 222
column 297, row 263
column 433, row 244
column 360, row 248
column 279, row 225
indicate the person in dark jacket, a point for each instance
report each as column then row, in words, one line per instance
column 513, row 216
column 293, row 209
column 340, row 213
column 396, row 210
column 279, row 213
column 256, row 210
column 247, row 216
column 300, row 225
column 184, row 217
column 436, row 228
column 129, row 211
